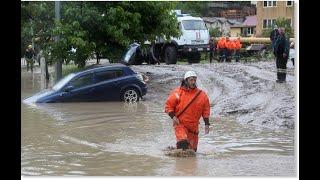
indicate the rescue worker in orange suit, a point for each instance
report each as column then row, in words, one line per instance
column 221, row 46
column 186, row 124
column 238, row 47
column 229, row 49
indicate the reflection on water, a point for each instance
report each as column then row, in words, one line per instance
column 115, row 138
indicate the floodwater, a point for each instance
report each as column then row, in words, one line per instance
column 119, row 139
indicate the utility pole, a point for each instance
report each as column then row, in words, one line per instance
column 58, row 65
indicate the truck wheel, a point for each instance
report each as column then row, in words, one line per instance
column 170, row 55
column 196, row 57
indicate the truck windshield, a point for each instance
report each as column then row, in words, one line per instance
column 194, row 25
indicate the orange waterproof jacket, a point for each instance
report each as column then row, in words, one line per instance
column 231, row 45
column 179, row 98
column 221, row 43
column 238, row 44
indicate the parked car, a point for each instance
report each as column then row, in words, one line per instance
column 106, row 83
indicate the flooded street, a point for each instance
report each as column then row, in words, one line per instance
column 119, row 139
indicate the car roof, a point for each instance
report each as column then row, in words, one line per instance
column 101, row 67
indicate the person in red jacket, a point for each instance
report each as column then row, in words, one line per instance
column 185, row 105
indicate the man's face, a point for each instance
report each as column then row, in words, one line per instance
column 192, row 82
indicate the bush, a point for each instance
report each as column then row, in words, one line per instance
column 215, row 32
column 280, row 22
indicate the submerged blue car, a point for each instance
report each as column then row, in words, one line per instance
column 106, row 83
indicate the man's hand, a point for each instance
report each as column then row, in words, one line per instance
column 206, row 129
column 175, row 121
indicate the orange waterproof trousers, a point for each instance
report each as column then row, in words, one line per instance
column 182, row 132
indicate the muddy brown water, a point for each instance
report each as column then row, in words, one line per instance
column 118, row 139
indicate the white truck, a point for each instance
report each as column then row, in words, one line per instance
column 193, row 41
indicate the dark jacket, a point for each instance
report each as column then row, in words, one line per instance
column 282, row 46
column 273, row 35
column 29, row 53
column 212, row 45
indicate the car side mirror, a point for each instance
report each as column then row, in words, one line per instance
column 68, row 89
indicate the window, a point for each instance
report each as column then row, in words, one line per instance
column 289, row 19
column 268, row 23
column 193, row 25
column 82, row 81
column 63, row 82
column 265, row 23
column 269, row 3
column 107, row 75
column 265, row 3
column 289, row 3
column 250, row 31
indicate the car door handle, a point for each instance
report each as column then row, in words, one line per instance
column 116, row 83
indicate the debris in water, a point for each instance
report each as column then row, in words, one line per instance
column 174, row 152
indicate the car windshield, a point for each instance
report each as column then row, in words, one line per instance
column 129, row 53
column 63, row 81
column 193, row 25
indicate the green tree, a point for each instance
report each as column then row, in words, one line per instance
column 280, row 22
column 195, row 8
column 215, row 32
column 100, row 28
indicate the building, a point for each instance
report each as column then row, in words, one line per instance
column 231, row 9
column 245, row 29
column 222, row 23
column 269, row 11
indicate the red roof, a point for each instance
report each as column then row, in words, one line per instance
column 250, row 21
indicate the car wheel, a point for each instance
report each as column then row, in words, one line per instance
column 130, row 95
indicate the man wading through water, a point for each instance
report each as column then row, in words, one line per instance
column 185, row 105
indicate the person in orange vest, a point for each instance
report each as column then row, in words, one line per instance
column 238, row 46
column 221, row 46
column 185, row 105
column 229, row 49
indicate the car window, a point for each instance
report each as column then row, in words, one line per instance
column 129, row 53
column 107, row 75
column 82, row 81
column 63, row 82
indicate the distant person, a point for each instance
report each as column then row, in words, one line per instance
column 237, row 50
column 273, row 37
column 292, row 53
column 282, row 53
column 221, row 46
column 185, row 105
column 212, row 48
column 229, row 49
column 29, row 55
